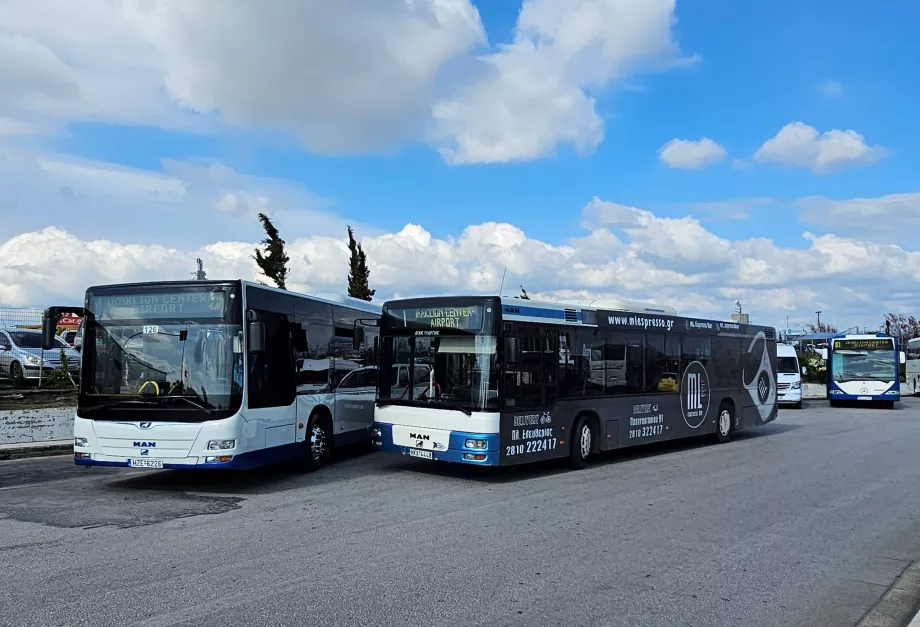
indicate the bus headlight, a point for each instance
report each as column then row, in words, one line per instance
column 221, row 445
column 797, row 385
column 80, row 442
column 480, row 444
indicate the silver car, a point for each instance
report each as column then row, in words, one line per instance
column 21, row 355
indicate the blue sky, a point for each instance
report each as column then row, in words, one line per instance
column 843, row 66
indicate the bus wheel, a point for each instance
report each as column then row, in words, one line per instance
column 581, row 444
column 724, row 423
column 318, row 445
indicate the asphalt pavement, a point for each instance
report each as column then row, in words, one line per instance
column 805, row 522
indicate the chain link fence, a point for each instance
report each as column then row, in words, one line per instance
column 24, row 364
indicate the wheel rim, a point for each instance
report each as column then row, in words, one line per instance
column 317, row 442
column 725, row 422
column 585, row 441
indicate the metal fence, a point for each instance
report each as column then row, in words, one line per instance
column 24, row 364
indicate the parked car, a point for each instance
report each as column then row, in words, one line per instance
column 21, row 356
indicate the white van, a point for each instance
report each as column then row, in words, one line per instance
column 789, row 376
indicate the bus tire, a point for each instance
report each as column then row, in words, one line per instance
column 318, row 443
column 582, row 443
column 724, row 422
column 798, row 405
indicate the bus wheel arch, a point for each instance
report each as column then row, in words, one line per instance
column 318, row 440
column 725, row 420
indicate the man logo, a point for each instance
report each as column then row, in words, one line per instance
column 145, row 452
column 145, row 444
column 145, row 425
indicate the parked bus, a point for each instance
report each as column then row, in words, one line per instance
column 864, row 368
column 219, row 374
column 498, row 393
column 913, row 366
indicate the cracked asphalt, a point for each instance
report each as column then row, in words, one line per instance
column 805, row 522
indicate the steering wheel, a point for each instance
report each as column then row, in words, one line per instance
column 155, row 385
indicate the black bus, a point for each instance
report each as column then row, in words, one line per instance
column 498, row 381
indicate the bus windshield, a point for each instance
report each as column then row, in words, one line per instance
column 864, row 364
column 451, row 371
column 163, row 350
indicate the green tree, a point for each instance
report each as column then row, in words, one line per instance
column 273, row 260
column 358, row 272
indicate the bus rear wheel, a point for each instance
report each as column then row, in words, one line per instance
column 581, row 444
column 724, row 423
column 318, row 443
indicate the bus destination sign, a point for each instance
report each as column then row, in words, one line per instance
column 468, row 317
column 159, row 305
column 867, row 344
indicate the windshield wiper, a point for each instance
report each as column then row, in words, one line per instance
column 190, row 401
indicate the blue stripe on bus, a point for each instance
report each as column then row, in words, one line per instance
column 243, row 461
column 537, row 312
column 456, row 446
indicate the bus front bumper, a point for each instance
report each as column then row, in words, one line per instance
column 485, row 454
column 151, row 463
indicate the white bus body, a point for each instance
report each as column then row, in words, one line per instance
column 913, row 366
column 221, row 374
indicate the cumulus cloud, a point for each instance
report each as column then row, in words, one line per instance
column 536, row 92
column 687, row 154
column 801, row 146
column 832, row 88
column 625, row 252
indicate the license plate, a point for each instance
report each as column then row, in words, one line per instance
column 145, row 463
column 414, row 452
column 863, row 398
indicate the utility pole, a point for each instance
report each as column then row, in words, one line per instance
column 819, row 320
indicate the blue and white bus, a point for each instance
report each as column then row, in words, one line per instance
column 497, row 381
column 864, row 368
column 221, row 374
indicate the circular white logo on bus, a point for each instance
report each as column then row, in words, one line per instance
column 694, row 394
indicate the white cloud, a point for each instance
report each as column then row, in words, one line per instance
column 687, row 154
column 626, row 251
column 537, row 92
column 800, row 145
column 175, row 206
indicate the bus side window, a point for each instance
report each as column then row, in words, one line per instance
column 271, row 380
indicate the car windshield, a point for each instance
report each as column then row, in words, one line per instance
column 449, row 371
column 863, row 365
column 32, row 339
column 787, row 365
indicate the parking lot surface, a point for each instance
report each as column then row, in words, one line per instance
column 806, row 521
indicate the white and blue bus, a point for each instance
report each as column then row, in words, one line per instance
column 221, row 374
column 864, row 368
column 503, row 381
column 912, row 366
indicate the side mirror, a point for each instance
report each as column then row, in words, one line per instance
column 256, row 330
column 49, row 327
column 903, row 358
column 358, row 340
column 511, row 350
column 804, row 370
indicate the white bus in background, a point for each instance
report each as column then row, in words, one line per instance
column 788, row 376
column 217, row 374
column 913, row 366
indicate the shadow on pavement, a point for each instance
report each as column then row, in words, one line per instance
column 277, row 478
column 539, row 470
